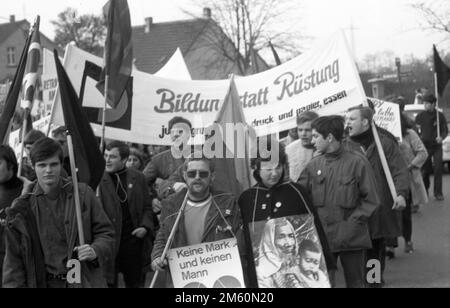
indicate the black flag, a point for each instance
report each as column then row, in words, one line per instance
column 13, row 94
column 89, row 160
column 442, row 72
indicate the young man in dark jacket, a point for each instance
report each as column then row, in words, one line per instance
column 41, row 229
column 386, row 221
column 342, row 183
column 426, row 122
column 126, row 201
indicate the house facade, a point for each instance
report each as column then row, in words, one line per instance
column 12, row 41
column 209, row 54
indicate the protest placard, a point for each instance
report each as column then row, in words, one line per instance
column 288, row 253
column 207, row 265
column 387, row 116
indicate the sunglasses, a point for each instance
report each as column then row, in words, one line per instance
column 192, row 174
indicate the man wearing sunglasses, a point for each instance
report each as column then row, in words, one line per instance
column 209, row 215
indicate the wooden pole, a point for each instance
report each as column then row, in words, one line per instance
column 171, row 236
column 102, row 140
column 24, row 130
column 437, row 105
column 384, row 162
column 76, row 191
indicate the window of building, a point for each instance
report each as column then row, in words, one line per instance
column 11, row 52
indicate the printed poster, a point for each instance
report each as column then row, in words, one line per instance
column 207, row 265
column 288, row 253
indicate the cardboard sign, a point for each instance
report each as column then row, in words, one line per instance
column 387, row 116
column 207, row 265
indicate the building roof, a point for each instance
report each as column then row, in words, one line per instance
column 153, row 49
column 6, row 29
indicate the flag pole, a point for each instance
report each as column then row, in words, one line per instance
column 27, row 109
column 76, row 191
column 102, row 140
column 24, row 130
column 437, row 104
column 170, row 239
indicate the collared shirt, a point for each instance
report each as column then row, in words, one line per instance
column 50, row 221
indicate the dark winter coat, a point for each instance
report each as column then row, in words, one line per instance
column 386, row 222
column 342, row 189
column 139, row 203
column 24, row 262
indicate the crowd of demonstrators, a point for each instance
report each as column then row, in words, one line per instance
column 330, row 170
column 427, row 125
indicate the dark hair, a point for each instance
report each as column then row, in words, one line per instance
column 330, row 125
column 139, row 155
column 306, row 117
column 308, row 245
column 401, row 101
column 62, row 130
column 7, row 154
column 32, row 136
column 430, row 98
column 176, row 120
column 45, row 148
column 255, row 163
column 122, row 147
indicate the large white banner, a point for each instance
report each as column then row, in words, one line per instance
column 324, row 80
column 207, row 265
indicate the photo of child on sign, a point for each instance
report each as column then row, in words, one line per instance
column 288, row 253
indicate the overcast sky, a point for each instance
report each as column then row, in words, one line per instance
column 378, row 24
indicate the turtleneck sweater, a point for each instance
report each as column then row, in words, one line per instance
column 365, row 139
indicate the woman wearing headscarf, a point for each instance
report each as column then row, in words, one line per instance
column 278, row 264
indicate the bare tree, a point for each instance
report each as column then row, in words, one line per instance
column 435, row 15
column 87, row 31
column 250, row 24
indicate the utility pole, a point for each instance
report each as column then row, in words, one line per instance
column 398, row 65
